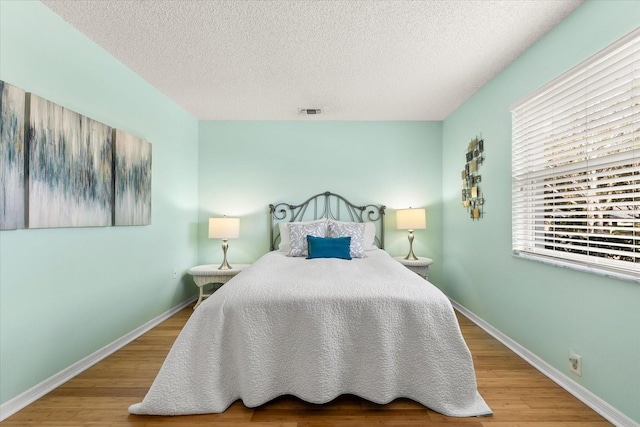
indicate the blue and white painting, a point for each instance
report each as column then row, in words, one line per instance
column 70, row 168
column 132, row 180
column 12, row 209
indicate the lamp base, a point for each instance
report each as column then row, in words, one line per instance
column 225, row 265
column 411, row 256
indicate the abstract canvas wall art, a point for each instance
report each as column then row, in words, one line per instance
column 59, row 168
column 12, row 157
column 132, row 168
column 70, row 167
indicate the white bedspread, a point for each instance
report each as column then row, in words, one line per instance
column 317, row 329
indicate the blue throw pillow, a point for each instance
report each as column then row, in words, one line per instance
column 329, row 247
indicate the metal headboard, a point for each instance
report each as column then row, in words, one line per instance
column 326, row 205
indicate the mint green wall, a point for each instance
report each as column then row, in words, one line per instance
column 245, row 165
column 65, row 293
column 546, row 309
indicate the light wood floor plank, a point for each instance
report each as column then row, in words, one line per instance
column 519, row 395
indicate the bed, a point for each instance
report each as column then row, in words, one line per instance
column 321, row 327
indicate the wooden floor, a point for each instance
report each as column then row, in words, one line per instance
column 518, row 394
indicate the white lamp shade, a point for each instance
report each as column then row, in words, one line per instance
column 224, row 228
column 411, row 219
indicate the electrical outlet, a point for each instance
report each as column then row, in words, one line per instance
column 175, row 273
column 575, row 363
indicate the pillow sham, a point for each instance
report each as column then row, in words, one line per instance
column 355, row 230
column 329, row 247
column 369, row 235
column 298, row 233
column 285, row 241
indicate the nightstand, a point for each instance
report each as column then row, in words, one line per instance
column 419, row 266
column 206, row 274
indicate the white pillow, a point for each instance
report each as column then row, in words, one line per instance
column 298, row 233
column 355, row 230
column 369, row 236
column 285, row 241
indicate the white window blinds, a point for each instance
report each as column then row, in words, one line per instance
column 576, row 164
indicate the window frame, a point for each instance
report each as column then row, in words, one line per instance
column 535, row 216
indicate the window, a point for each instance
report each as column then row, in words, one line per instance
column 576, row 165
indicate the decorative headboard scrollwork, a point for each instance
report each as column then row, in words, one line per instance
column 330, row 206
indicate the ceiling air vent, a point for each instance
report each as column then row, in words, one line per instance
column 309, row 111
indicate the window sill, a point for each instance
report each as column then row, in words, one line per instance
column 578, row 266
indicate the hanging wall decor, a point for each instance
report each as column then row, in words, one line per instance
column 12, row 157
column 132, row 164
column 70, row 167
column 59, row 168
column 472, row 198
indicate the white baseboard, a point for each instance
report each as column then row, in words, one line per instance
column 603, row 408
column 12, row 406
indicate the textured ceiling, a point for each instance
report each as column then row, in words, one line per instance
column 356, row 60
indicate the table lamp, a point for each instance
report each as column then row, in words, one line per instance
column 224, row 228
column 411, row 219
